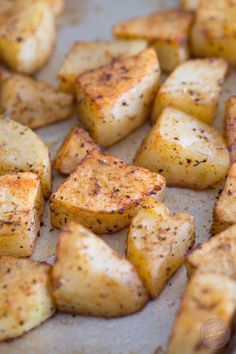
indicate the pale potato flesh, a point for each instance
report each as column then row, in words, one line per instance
column 194, row 88
column 103, row 193
column 157, row 244
column 230, row 126
column 25, row 299
column 186, row 151
column 116, row 99
column 57, row 6
column 189, row 4
column 90, row 279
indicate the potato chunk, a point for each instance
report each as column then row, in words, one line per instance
column 75, row 147
column 213, row 33
column 167, row 31
column 230, row 127
column 27, row 34
column 57, row 6
column 216, row 255
column 194, row 88
column 21, row 208
column 88, row 55
column 208, row 296
column 189, row 4
column 116, row 99
column 103, row 193
column 89, row 278
column 157, row 244
column 25, row 299
column 186, row 151
column 23, row 151
column 33, row 103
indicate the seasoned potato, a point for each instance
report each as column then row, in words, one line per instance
column 116, row 99
column 88, row 55
column 89, row 278
column 23, row 151
column 189, row 4
column 57, row 6
column 75, row 147
column 216, row 255
column 33, row 103
column 213, row 33
column 157, row 244
column 208, row 296
column 225, row 207
column 27, row 34
column 186, row 151
column 230, row 127
column 25, row 299
column 103, row 193
column 167, row 31
column 21, row 208
column 194, row 88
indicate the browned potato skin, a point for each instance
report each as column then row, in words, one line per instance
column 25, row 299
column 75, row 147
column 230, row 126
column 103, row 193
column 167, row 31
column 33, row 103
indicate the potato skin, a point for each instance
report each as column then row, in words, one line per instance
column 75, row 147
column 25, row 299
column 230, row 126
column 167, row 31
column 88, row 55
column 116, row 99
column 157, row 244
column 187, row 152
column 33, row 103
column 88, row 273
column 188, row 88
column 103, row 193
column 27, row 34
column 23, row 151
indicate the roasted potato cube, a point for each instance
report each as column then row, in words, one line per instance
column 225, row 207
column 186, row 151
column 189, row 4
column 167, row 31
column 216, row 255
column 23, row 151
column 89, row 278
column 230, row 127
column 88, row 55
column 27, row 34
column 157, row 244
column 208, row 297
column 21, row 208
column 116, row 99
column 57, row 6
column 75, row 147
column 33, row 103
column 213, row 33
column 25, row 299
column 103, row 193
column 194, row 88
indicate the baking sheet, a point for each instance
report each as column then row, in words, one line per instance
column 146, row 332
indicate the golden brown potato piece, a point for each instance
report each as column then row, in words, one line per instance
column 116, row 99
column 57, row 6
column 21, row 208
column 230, row 127
column 157, row 244
column 194, row 88
column 75, row 147
column 89, row 278
column 23, row 151
column 27, row 34
column 103, row 193
column 167, row 31
column 186, row 151
column 33, row 103
column 189, row 4
column 209, row 297
column 213, row 33
column 88, row 55
column 217, row 255
column 25, row 299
